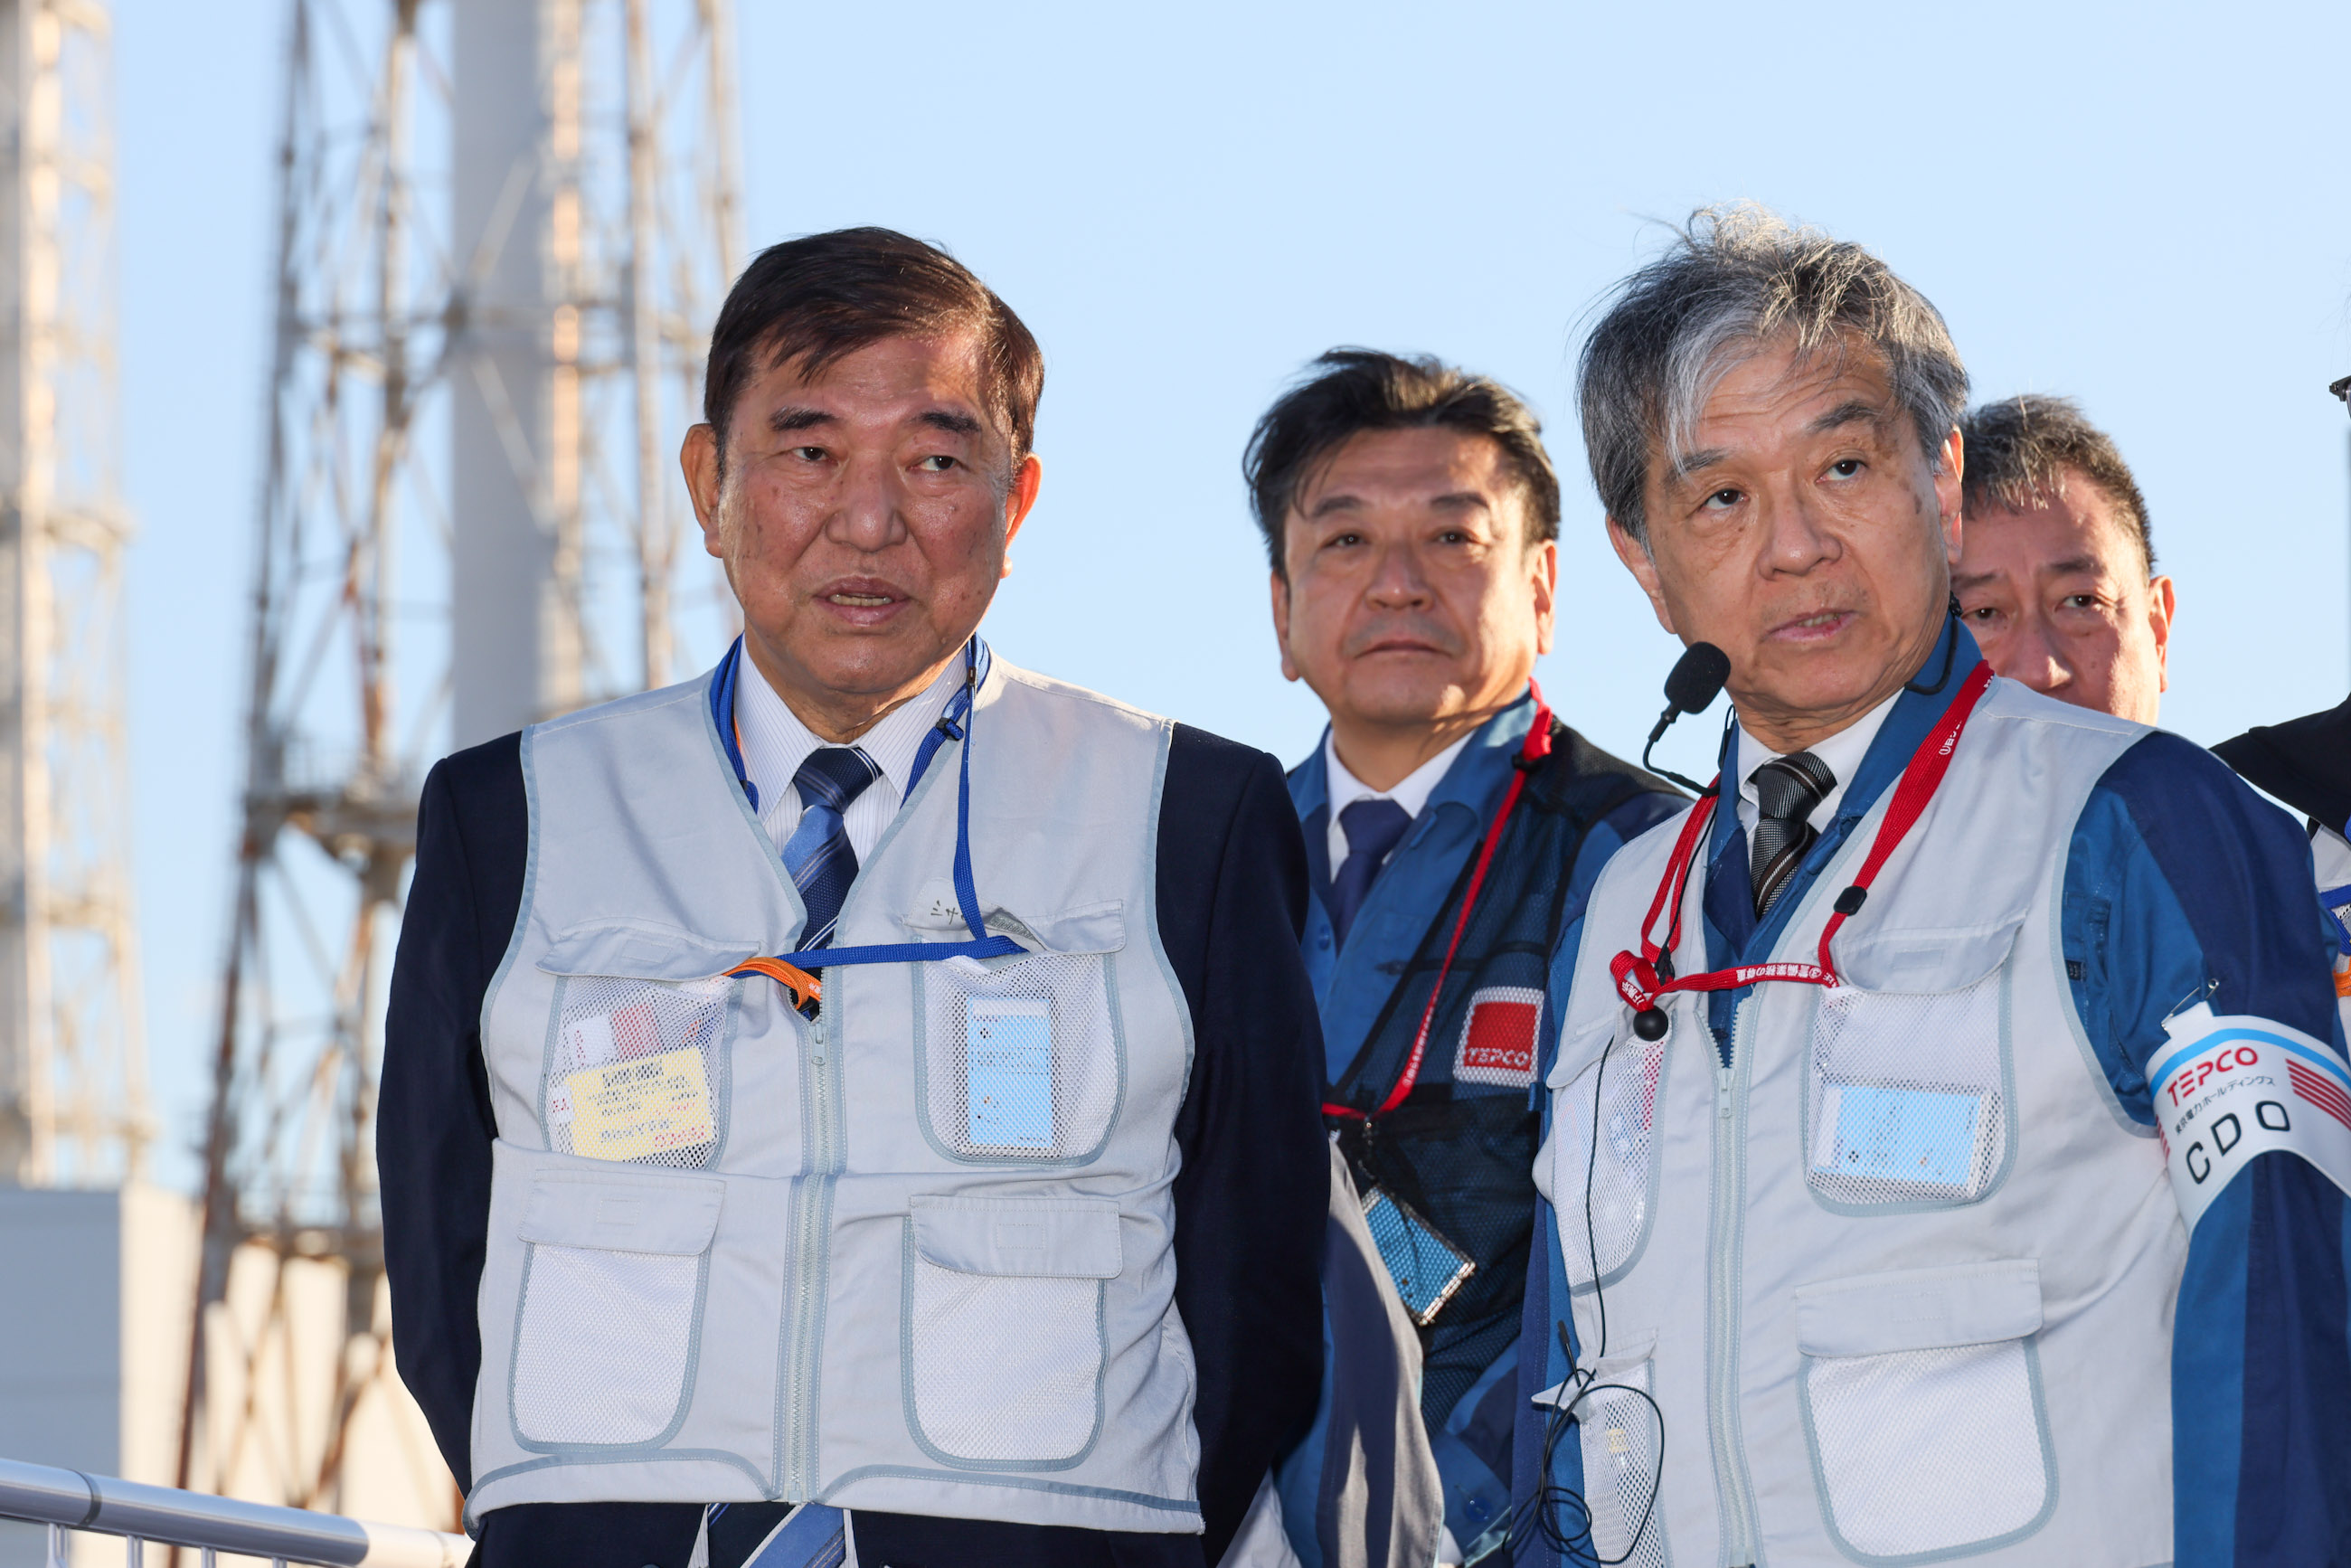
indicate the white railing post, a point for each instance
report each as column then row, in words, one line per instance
column 59, row 1553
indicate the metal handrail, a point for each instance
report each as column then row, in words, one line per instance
column 165, row 1516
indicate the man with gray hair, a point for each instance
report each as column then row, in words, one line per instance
column 1948, row 1137
column 2056, row 576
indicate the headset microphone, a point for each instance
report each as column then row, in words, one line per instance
column 1696, row 681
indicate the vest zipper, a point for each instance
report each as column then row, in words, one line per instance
column 811, row 1247
column 1734, row 1498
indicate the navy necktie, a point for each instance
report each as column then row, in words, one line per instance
column 1787, row 788
column 1373, row 828
column 818, row 854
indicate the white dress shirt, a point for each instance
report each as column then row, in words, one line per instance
column 1411, row 793
column 774, row 743
column 1841, row 752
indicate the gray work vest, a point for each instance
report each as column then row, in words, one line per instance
column 913, row 1255
column 1901, row 1279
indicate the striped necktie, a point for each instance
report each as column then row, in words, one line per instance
column 1787, row 788
column 818, row 854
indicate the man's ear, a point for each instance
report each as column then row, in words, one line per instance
column 1949, row 489
column 1644, row 568
column 699, row 459
column 1281, row 624
column 1546, row 587
column 1018, row 500
column 2161, row 606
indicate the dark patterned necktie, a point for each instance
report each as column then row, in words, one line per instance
column 1373, row 828
column 1787, row 788
column 818, row 855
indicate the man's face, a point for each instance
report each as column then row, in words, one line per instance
column 2058, row 596
column 1411, row 593
column 864, row 517
column 1807, row 536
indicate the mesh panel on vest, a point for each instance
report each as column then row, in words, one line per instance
column 1003, row 1368
column 600, row 1351
column 632, row 1072
column 1460, row 1149
column 1622, row 1468
column 1906, row 1102
column 1010, row 1082
column 1623, row 1170
column 1925, row 1450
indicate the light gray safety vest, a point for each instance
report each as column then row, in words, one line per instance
column 1901, row 1279
column 912, row 1256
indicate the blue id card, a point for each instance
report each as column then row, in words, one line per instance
column 1009, row 1073
column 1921, row 1136
column 1427, row 1268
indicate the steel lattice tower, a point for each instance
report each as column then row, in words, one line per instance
column 504, row 228
column 73, row 1092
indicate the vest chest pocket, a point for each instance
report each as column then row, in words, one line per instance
column 1004, row 1352
column 1024, row 1062
column 610, row 1308
column 1608, row 1089
column 1908, row 1080
column 1924, row 1409
column 637, row 1066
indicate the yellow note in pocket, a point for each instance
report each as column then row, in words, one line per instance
column 633, row 1109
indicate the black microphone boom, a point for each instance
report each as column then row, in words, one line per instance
column 1695, row 682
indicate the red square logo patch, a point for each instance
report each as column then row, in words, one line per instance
column 1498, row 1038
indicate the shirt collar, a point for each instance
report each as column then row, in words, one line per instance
column 1411, row 792
column 775, row 742
column 1842, row 752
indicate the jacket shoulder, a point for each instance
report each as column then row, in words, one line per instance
column 485, row 776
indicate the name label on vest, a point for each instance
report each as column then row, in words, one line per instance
column 2228, row 1089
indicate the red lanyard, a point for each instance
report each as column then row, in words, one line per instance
column 1537, row 748
column 1638, row 980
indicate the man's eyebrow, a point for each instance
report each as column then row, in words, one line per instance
column 790, row 417
column 1340, row 501
column 1462, row 498
column 2073, row 566
column 1854, row 411
column 949, row 421
column 1689, row 463
column 1973, row 580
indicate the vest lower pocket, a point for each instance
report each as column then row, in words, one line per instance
column 1924, row 1409
column 1003, row 1349
column 1021, row 1064
column 610, row 1309
column 1624, row 1467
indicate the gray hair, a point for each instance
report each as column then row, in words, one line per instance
column 1738, row 278
column 2020, row 451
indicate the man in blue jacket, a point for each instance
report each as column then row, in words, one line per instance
column 1452, row 829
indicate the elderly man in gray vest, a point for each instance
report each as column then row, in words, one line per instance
column 858, row 1105
column 1948, row 1132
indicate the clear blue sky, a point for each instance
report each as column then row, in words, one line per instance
column 2139, row 205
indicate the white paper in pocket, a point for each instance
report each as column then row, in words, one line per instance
column 1009, row 1073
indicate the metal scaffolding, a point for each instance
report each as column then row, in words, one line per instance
column 73, row 1090
column 503, row 227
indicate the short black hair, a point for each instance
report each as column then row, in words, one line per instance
column 1349, row 390
column 820, row 299
column 2019, row 452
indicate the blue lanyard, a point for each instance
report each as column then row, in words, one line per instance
column 955, row 724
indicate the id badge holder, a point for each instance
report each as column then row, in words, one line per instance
column 1427, row 1268
column 1008, row 1073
